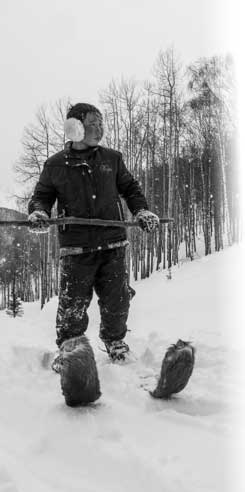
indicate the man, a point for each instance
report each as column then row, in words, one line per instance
column 87, row 179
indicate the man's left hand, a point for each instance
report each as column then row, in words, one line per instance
column 147, row 220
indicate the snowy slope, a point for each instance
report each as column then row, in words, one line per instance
column 128, row 441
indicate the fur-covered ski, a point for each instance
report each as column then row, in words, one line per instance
column 176, row 370
column 177, row 367
column 78, row 372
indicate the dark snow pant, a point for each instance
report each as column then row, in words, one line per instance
column 105, row 272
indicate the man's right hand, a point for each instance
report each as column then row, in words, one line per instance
column 39, row 221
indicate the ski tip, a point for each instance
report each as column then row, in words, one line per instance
column 176, row 370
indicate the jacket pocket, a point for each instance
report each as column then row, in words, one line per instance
column 120, row 209
column 64, row 227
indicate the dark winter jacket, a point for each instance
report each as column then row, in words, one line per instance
column 87, row 184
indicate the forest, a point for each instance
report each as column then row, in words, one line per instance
column 178, row 136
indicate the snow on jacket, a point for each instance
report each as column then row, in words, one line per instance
column 87, row 184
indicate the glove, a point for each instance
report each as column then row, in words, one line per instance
column 177, row 367
column 38, row 221
column 147, row 220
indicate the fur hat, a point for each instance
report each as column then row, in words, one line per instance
column 73, row 126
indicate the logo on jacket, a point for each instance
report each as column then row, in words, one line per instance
column 105, row 168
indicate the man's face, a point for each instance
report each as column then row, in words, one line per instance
column 93, row 126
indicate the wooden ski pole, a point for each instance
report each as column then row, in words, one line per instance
column 80, row 221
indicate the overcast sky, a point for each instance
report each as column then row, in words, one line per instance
column 53, row 49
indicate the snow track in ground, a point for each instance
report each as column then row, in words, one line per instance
column 128, row 441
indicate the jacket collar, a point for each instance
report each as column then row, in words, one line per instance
column 70, row 150
column 75, row 157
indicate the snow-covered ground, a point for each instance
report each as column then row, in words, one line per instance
column 128, row 441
